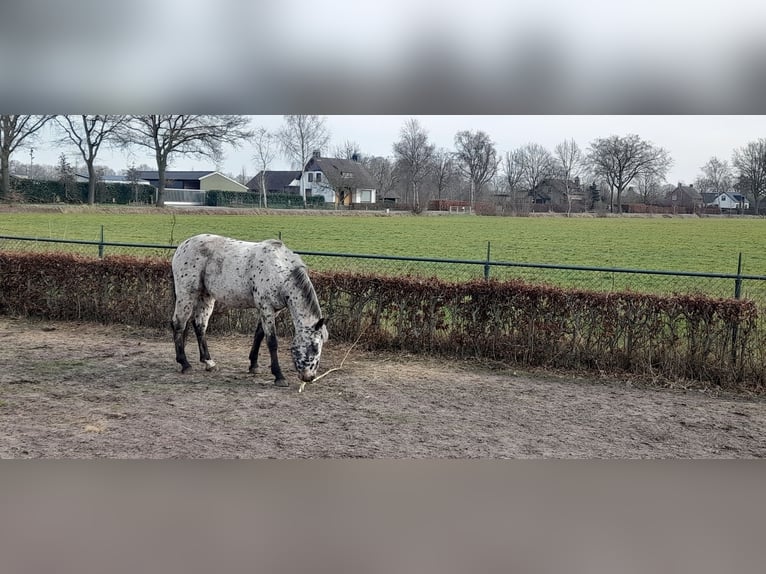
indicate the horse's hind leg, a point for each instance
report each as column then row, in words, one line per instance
column 202, row 312
column 181, row 316
column 257, row 340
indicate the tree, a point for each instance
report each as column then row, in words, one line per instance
column 716, row 177
column 67, row 178
column 383, row 172
column 569, row 162
column 265, row 152
column 87, row 133
column 347, row 150
column 476, row 159
column 167, row 135
column 750, row 162
column 415, row 155
column 536, row 165
column 14, row 131
column 619, row 160
column 444, row 170
column 300, row 136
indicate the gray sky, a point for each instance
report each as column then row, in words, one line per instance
column 691, row 140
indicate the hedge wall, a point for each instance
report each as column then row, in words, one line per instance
column 245, row 198
column 717, row 341
column 43, row 191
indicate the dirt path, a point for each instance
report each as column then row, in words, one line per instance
column 71, row 390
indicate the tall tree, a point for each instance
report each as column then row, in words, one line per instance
column 167, row 135
column 415, row 154
column 716, row 177
column 619, row 160
column 569, row 162
column 14, row 131
column 512, row 171
column 88, row 133
column 750, row 163
column 383, row 172
column 476, row 159
column 348, row 150
column 536, row 164
column 444, row 170
column 300, row 136
column 265, row 152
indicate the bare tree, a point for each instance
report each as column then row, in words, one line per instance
column 300, row 136
column 444, row 170
column 199, row 135
column 383, row 172
column 536, row 164
column 569, row 162
column 717, row 177
column 87, row 133
column 415, row 155
column 265, row 152
column 750, row 162
column 476, row 158
column 14, row 131
column 619, row 160
column 648, row 187
column 347, row 150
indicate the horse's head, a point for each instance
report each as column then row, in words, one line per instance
column 307, row 348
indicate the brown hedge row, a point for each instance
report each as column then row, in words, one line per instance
column 680, row 337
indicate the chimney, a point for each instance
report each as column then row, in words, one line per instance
column 316, row 154
column 355, row 156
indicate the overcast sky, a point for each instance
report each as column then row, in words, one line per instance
column 691, row 140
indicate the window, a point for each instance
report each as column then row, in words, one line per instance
column 319, row 177
column 346, row 175
column 311, row 177
column 365, row 196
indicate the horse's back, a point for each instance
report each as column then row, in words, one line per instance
column 232, row 270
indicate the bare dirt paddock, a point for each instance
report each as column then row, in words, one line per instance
column 71, row 390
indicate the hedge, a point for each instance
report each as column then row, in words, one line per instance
column 217, row 198
column 679, row 337
column 44, row 191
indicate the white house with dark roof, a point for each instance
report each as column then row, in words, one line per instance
column 341, row 181
column 189, row 187
column 726, row 201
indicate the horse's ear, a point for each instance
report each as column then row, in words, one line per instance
column 319, row 324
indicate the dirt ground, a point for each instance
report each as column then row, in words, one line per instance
column 72, row 390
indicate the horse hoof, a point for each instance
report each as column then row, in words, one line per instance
column 185, row 369
column 253, row 370
column 281, row 383
column 210, row 365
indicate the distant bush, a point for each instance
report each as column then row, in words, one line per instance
column 676, row 337
column 43, row 191
column 217, row 198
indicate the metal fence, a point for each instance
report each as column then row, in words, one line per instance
column 724, row 285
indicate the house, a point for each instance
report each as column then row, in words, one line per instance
column 189, row 187
column 553, row 192
column 277, row 182
column 726, row 201
column 341, row 181
column 685, row 196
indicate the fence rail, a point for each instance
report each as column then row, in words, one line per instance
column 724, row 285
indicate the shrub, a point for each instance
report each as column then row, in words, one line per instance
column 677, row 337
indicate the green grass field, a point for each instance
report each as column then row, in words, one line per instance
column 673, row 244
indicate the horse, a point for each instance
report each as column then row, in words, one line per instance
column 238, row 274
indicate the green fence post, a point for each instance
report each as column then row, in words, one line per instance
column 101, row 244
column 486, row 265
column 737, row 295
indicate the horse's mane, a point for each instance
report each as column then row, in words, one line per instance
column 302, row 281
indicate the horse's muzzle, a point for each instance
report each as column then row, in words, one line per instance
column 306, row 376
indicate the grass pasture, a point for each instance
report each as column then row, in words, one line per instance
column 709, row 245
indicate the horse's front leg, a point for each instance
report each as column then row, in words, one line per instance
column 257, row 340
column 270, row 334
